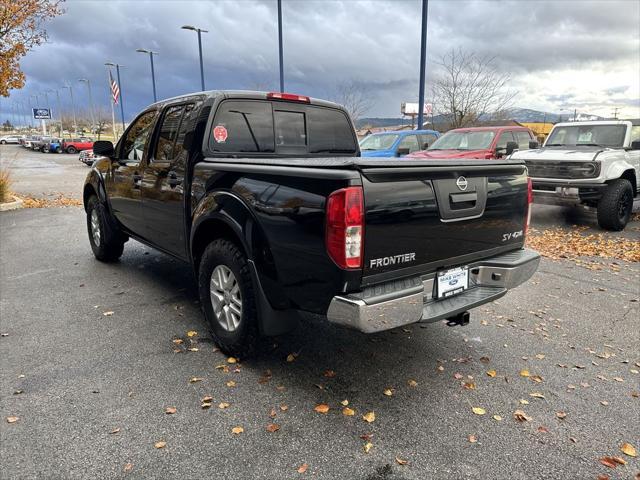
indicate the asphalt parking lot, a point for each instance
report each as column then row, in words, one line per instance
column 98, row 352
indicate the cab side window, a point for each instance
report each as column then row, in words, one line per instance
column 504, row 137
column 188, row 124
column 635, row 133
column 426, row 139
column 410, row 143
column 137, row 136
column 168, row 134
column 523, row 139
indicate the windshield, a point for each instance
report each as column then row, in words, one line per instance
column 478, row 140
column 378, row 142
column 587, row 135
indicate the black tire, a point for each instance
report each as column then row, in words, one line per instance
column 72, row 150
column 614, row 208
column 58, row 150
column 108, row 245
column 244, row 339
column 3, row 142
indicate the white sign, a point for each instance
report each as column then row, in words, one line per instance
column 412, row 108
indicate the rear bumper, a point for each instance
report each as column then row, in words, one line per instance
column 395, row 304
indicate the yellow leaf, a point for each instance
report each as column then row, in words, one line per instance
column 107, row 314
column 469, row 385
column 388, row 392
column 349, row 412
column 12, row 419
column 540, row 356
column 237, row 430
column 367, row 447
column 369, row 417
column 231, row 360
column 401, row 461
column 208, row 398
column 192, row 333
column 195, row 379
column 491, row 373
column 524, row 402
column 524, row 373
column 223, row 405
column 520, row 416
column 283, row 407
column 177, row 341
column 344, row 403
column 231, row 383
column 170, row 410
column 303, row 468
column 292, row 357
column 193, row 349
column 412, row 383
column 160, row 444
column 536, row 395
column 479, row 411
column 497, row 418
column 321, row 408
column 629, row 449
column 205, row 405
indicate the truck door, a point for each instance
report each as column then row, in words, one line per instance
column 123, row 183
column 163, row 182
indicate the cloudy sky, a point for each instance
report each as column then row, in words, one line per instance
column 561, row 54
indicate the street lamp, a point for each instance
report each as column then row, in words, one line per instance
column 280, row 54
column 199, row 30
column 91, row 110
column 73, row 108
column 423, row 62
column 57, row 92
column 153, row 75
column 111, row 64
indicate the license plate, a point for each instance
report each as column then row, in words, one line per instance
column 453, row 282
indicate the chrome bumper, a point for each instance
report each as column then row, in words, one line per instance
column 395, row 304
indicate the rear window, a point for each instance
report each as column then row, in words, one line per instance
column 262, row 127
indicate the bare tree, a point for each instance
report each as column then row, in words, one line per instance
column 355, row 97
column 469, row 87
column 103, row 119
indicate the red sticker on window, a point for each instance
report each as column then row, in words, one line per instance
column 220, row 134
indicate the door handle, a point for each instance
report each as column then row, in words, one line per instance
column 463, row 197
column 172, row 179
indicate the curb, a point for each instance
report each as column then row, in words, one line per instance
column 16, row 204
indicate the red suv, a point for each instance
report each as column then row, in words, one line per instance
column 77, row 145
column 478, row 142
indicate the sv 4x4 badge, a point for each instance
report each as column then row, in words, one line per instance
column 511, row 235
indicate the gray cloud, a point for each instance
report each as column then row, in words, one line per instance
column 325, row 42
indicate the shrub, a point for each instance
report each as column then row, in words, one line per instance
column 5, row 184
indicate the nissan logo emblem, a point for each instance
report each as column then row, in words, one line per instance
column 462, row 183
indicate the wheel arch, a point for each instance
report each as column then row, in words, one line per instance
column 630, row 174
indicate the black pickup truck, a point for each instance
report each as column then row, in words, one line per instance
column 267, row 197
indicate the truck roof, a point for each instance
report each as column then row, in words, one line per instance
column 492, row 129
column 595, row 122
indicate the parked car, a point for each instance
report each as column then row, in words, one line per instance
column 14, row 139
column 54, row 146
column 596, row 164
column 41, row 143
column 265, row 195
column 479, row 143
column 397, row 143
column 77, row 145
column 87, row 157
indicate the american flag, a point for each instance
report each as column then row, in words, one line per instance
column 115, row 89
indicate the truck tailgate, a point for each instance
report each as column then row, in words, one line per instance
column 425, row 217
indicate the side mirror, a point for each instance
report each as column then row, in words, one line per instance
column 511, row 146
column 103, row 148
column 402, row 151
column 533, row 145
column 635, row 145
column 425, row 145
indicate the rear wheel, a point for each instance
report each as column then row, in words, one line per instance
column 228, row 299
column 107, row 242
column 72, row 150
column 614, row 208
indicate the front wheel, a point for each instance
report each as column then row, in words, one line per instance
column 614, row 208
column 3, row 142
column 107, row 242
column 71, row 150
column 228, row 299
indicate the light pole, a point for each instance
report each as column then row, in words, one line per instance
column 46, row 100
column 153, row 75
column 57, row 92
column 423, row 62
column 280, row 54
column 200, row 31
column 73, row 108
column 91, row 110
column 36, row 105
column 110, row 64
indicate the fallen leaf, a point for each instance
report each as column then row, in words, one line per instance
column 321, row 408
column 12, row 419
column 160, row 444
column 128, row 467
column 412, row 383
column 273, row 413
column 349, row 412
column 366, row 436
column 232, row 360
column 107, row 314
column 539, row 356
column 177, row 341
column 618, row 379
column 472, row 439
column 492, row 373
column 170, row 410
column 603, row 477
column 524, row 402
column 303, row 468
column 536, row 395
column 292, row 357
column 524, row 373
column 329, row 373
column 604, row 402
column 205, row 405
column 561, row 415
column 497, row 418
column 401, row 461
column 195, row 379
column 369, row 417
column 237, row 430
column 543, row 429
column 628, row 449
column 192, row 333
column 537, row 378
column 520, row 416
column 367, row 447
column 283, row 407
column 484, row 359
column 440, row 368
column 344, row 403
column 18, row 392
column 273, row 427
column 114, row 431
column 388, row 392
column 223, row 405
column 479, row 411
column 231, row 383
column 469, row 385
column 457, row 376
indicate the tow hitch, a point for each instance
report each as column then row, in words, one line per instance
column 459, row 319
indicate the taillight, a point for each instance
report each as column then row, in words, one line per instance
column 529, row 202
column 292, row 97
column 344, row 230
